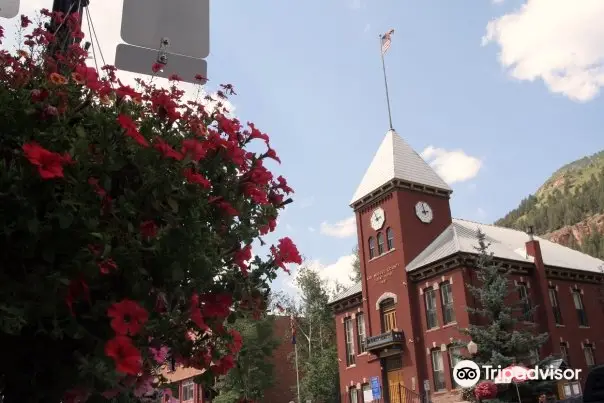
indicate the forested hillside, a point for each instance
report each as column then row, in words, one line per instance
column 568, row 208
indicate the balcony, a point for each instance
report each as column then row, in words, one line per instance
column 385, row 344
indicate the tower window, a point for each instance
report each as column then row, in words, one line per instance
column 578, row 300
column 389, row 238
column 564, row 353
column 371, row 247
column 553, row 299
column 526, row 302
column 446, row 297
column 388, row 315
column 589, row 355
column 430, row 298
column 380, row 240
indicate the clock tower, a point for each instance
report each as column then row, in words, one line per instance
column 401, row 206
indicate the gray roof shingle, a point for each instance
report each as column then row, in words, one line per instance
column 395, row 159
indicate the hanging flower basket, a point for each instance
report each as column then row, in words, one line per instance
column 128, row 216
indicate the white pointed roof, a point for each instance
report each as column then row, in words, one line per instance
column 395, row 159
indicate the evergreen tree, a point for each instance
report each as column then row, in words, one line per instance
column 254, row 371
column 497, row 329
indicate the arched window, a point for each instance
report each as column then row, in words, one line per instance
column 380, row 239
column 389, row 238
column 371, row 247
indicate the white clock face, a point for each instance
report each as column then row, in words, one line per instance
column 424, row 212
column 377, row 219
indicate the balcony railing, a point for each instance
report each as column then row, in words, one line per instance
column 385, row 340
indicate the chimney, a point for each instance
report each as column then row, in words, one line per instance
column 533, row 248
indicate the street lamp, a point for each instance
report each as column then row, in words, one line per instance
column 472, row 347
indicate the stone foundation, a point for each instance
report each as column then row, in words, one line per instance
column 453, row 396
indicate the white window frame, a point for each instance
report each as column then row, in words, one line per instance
column 446, row 296
column 184, row 395
column 349, row 339
column 361, row 334
column 438, row 370
column 431, row 311
column 588, row 352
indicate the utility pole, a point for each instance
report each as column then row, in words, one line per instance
column 67, row 7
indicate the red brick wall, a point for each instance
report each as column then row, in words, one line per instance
column 285, row 373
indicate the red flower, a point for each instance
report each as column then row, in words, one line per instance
column 257, row 134
column 259, row 175
column 94, row 182
column 50, row 165
column 148, row 229
column 242, row 256
column 270, row 227
column 286, row 253
column 127, row 317
column 156, row 67
column 127, row 357
column 38, row 95
column 167, row 151
column 25, row 21
column 272, row 155
column 195, row 313
column 217, row 305
column 194, row 149
column 131, row 130
column 485, row 390
column 174, row 77
column 258, row 195
column 199, row 179
column 224, row 365
column 107, row 266
column 227, row 208
column 199, row 77
column 75, row 290
column 282, row 184
column 237, row 343
column 126, row 91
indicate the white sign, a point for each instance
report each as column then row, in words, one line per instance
column 186, row 23
column 9, row 8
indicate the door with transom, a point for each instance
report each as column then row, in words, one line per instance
column 394, row 373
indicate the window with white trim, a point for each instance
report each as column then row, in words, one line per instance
column 361, row 336
column 525, row 302
column 553, row 299
column 389, row 238
column 188, row 391
column 371, row 247
column 438, row 370
column 454, row 358
column 590, row 359
column 580, row 308
column 446, row 295
column 353, row 393
column 431, row 315
column 349, row 334
column 564, row 353
column 380, row 240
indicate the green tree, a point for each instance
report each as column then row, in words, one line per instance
column 316, row 338
column 254, row 370
column 355, row 276
column 497, row 329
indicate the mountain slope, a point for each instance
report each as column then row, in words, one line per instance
column 568, row 208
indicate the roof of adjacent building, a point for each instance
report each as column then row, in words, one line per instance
column 505, row 243
column 395, row 159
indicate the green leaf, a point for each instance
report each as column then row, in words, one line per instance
column 80, row 131
column 49, row 254
column 177, row 272
column 33, row 225
column 65, row 220
column 97, row 235
column 173, row 205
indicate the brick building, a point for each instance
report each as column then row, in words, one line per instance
column 285, row 375
column 399, row 322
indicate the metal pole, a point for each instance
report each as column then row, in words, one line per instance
column 386, row 83
column 297, row 372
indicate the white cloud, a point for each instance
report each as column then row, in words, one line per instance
column 334, row 273
column 367, row 28
column 311, row 229
column 558, row 41
column 452, row 166
column 342, row 229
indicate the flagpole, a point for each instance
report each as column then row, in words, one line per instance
column 297, row 372
column 386, row 83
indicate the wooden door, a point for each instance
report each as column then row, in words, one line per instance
column 395, row 386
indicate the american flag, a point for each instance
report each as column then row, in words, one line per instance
column 293, row 329
column 386, row 41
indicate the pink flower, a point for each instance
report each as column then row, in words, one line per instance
column 159, row 354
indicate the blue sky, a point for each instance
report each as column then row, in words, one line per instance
column 309, row 74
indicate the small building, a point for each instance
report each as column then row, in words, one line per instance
column 285, row 375
column 397, row 325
